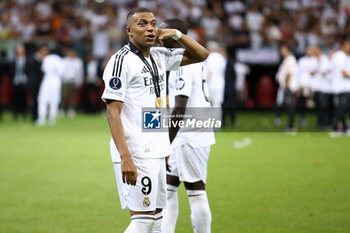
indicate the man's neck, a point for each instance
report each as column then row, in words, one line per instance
column 144, row 50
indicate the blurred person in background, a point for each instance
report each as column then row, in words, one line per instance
column 286, row 77
column 190, row 150
column 255, row 21
column 339, row 77
column 209, row 20
column 215, row 67
column 19, row 77
column 100, row 46
column 230, row 97
column 330, row 115
column 35, row 76
column 321, row 84
column 306, row 70
column 73, row 77
column 2, row 72
column 50, row 89
column 242, row 70
column 91, row 86
column 347, row 84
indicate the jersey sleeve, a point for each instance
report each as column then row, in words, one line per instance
column 183, row 81
column 172, row 57
column 115, row 79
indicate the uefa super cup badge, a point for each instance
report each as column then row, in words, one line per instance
column 115, row 83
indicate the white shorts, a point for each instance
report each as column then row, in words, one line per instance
column 189, row 163
column 149, row 193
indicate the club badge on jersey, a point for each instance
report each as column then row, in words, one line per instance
column 146, row 202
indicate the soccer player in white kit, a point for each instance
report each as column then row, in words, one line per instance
column 307, row 66
column 135, row 78
column 50, row 89
column 321, row 84
column 190, row 150
column 215, row 67
column 340, row 76
column 286, row 77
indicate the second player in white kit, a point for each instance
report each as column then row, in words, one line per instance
column 190, row 150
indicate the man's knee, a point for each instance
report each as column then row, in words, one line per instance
column 140, row 223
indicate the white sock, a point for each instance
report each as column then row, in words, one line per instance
column 140, row 224
column 171, row 211
column 157, row 227
column 200, row 211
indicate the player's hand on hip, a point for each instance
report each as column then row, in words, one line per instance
column 129, row 172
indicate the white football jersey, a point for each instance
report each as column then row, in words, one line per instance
column 190, row 81
column 322, row 81
column 128, row 80
column 306, row 65
column 347, row 80
column 338, row 63
column 288, row 66
column 50, row 87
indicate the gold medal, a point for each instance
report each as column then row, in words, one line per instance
column 159, row 102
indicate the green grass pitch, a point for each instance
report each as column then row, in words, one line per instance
column 60, row 179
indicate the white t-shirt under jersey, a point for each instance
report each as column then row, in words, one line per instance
column 190, row 81
column 128, row 80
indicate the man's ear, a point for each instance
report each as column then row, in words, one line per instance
column 128, row 31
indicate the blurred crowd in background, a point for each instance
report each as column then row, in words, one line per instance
column 244, row 35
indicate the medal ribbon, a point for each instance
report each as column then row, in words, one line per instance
column 154, row 71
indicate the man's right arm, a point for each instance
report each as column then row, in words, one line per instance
column 178, row 112
column 129, row 172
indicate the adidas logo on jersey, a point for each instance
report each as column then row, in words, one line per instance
column 144, row 70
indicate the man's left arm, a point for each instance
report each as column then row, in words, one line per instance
column 177, row 115
column 194, row 52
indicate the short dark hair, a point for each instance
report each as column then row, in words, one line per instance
column 178, row 24
column 136, row 10
column 343, row 40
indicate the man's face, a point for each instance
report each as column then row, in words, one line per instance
column 347, row 47
column 20, row 50
column 310, row 51
column 284, row 51
column 142, row 29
